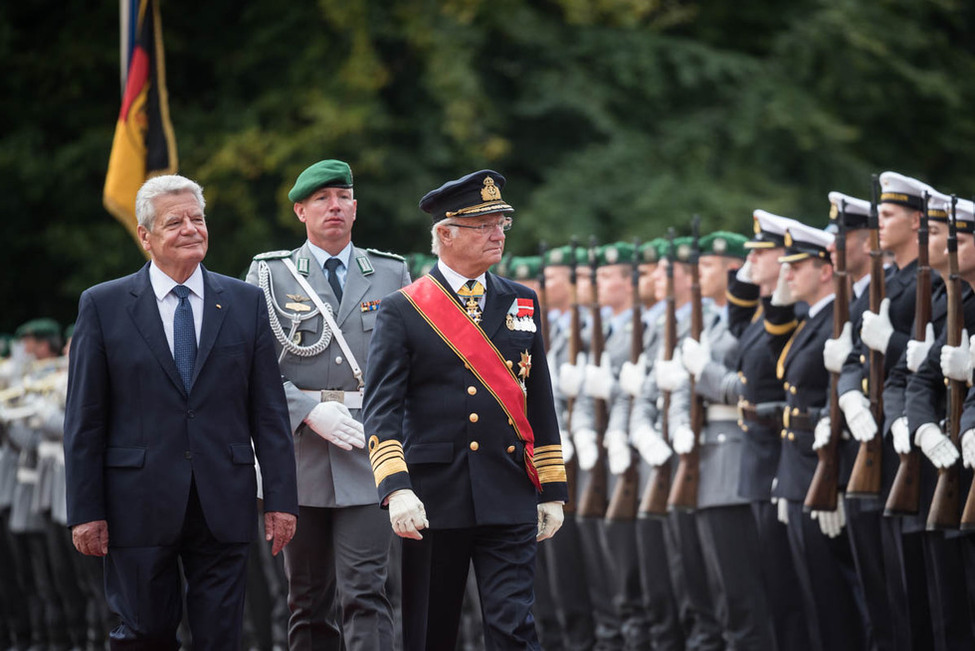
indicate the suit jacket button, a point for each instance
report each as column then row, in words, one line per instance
column 472, row 418
column 338, row 359
column 471, row 390
column 474, row 446
column 188, row 454
column 511, row 449
column 190, row 414
column 511, row 422
column 509, row 363
column 792, row 436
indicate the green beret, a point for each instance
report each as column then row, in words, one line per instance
column 562, row 255
column 39, row 329
column 69, row 331
column 682, row 248
column 524, row 267
column 724, row 243
column 5, row 341
column 615, row 253
column 323, row 174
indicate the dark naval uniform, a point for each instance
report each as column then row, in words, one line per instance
column 338, row 558
column 435, row 428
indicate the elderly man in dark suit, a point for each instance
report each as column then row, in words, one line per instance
column 173, row 387
column 463, row 437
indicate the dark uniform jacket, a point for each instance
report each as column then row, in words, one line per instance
column 462, row 457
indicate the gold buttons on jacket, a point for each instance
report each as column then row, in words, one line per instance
column 472, row 418
column 511, row 449
column 474, row 446
column 784, row 433
column 792, row 389
column 511, row 422
column 471, row 390
column 863, row 359
column 792, row 437
column 509, row 363
column 785, row 386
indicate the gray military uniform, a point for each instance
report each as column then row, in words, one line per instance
column 336, row 490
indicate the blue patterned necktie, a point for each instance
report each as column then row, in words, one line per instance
column 184, row 336
column 332, row 267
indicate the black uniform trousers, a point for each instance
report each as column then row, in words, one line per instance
column 730, row 547
column 695, row 600
column 563, row 557
column 951, row 617
column 435, row 573
column 834, row 605
column 779, row 576
column 666, row 633
column 337, row 567
column 871, row 558
column 149, row 577
column 16, row 588
column 620, row 547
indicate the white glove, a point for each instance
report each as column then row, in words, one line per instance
column 550, row 519
column 568, row 450
column 782, row 510
column 956, row 361
column 900, row 435
column 571, row 376
column 670, row 374
column 835, row 351
column 782, row 295
column 822, row 432
column 744, row 273
column 935, row 445
column 406, row 514
column 599, row 382
column 831, row 523
column 632, row 376
column 856, row 408
column 917, row 351
column 971, row 349
column 651, row 446
column 618, row 450
column 586, row 450
column 695, row 355
column 968, row 448
column 332, row 421
column 877, row 329
column 683, row 439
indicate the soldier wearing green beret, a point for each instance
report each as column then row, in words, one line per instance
column 323, row 299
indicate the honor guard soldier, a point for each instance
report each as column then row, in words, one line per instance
column 760, row 403
column 949, row 554
column 463, row 435
column 819, row 544
column 322, row 301
column 726, row 528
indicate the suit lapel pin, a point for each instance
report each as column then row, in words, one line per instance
column 218, row 306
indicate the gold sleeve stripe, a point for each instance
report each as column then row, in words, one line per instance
column 783, row 329
column 740, row 301
column 552, row 474
column 386, row 458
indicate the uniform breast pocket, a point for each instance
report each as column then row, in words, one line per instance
column 369, row 320
column 521, row 340
column 230, row 350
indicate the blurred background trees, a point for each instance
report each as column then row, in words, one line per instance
column 609, row 117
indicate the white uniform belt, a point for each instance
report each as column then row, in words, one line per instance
column 50, row 450
column 722, row 412
column 351, row 399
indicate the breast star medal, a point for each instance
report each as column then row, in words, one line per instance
column 524, row 366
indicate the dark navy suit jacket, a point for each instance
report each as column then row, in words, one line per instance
column 464, row 460
column 134, row 439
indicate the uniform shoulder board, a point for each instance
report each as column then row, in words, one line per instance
column 272, row 255
column 387, row 254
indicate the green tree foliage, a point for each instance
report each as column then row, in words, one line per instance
column 612, row 117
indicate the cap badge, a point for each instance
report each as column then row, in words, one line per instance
column 720, row 245
column 788, row 238
column 756, row 226
column 490, row 191
column 556, row 256
column 833, row 212
column 612, row 255
column 683, row 252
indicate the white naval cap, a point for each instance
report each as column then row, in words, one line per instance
column 769, row 230
column 903, row 190
column 802, row 241
column 856, row 212
column 964, row 215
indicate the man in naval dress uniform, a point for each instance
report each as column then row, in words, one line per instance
column 337, row 562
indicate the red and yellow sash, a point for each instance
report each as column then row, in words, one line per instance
column 478, row 353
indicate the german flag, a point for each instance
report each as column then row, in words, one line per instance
column 144, row 143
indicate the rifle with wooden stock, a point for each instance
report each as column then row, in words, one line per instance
column 683, row 491
column 575, row 347
column 824, row 487
column 593, row 502
column 654, row 501
column 944, row 512
column 623, row 504
column 905, row 492
column 865, row 478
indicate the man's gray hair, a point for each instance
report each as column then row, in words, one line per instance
column 145, row 199
column 435, row 237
